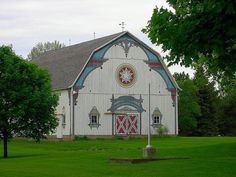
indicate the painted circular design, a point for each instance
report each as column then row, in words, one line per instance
column 126, row 75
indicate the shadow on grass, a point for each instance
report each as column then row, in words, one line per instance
column 222, row 150
column 22, row 156
column 143, row 160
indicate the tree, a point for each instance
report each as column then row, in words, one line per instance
column 27, row 104
column 197, row 31
column 207, row 122
column 189, row 107
column 226, row 86
column 41, row 48
column 181, row 76
column 227, row 110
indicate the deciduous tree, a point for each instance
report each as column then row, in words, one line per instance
column 27, row 103
column 189, row 107
column 41, row 48
column 197, row 31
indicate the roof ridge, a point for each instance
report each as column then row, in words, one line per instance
column 98, row 38
column 78, row 44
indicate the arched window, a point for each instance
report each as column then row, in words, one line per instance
column 94, row 118
column 156, row 118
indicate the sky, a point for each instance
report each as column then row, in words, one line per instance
column 24, row 23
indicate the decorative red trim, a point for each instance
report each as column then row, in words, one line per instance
column 96, row 62
column 154, row 64
column 173, row 94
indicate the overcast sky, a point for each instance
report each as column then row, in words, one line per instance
column 24, row 23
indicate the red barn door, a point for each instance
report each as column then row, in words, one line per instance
column 127, row 124
column 121, row 124
column 132, row 124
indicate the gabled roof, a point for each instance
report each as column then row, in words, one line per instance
column 66, row 64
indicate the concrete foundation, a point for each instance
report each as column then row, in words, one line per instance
column 149, row 152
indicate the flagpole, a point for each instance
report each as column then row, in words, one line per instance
column 149, row 114
column 149, row 151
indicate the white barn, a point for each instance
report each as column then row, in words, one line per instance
column 103, row 87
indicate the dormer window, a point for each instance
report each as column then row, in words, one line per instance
column 156, row 118
column 94, row 118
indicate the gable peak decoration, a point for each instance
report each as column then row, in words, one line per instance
column 126, row 44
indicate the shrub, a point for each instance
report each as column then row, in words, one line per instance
column 162, row 131
column 77, row 138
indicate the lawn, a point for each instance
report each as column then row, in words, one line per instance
column 208, row 157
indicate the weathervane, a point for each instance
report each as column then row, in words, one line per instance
column 94, row 35
column 122, row 24
column 69, row 41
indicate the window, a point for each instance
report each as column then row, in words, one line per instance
column 156, row 118
column 94, row 118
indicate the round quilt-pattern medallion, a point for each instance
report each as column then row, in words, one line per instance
column 126, row 75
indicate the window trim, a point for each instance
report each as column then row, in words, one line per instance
column 94, row 113
column 156, row 113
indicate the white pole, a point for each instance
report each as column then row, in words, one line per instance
column 149, row 105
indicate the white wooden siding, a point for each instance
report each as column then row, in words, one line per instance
column 64, row 101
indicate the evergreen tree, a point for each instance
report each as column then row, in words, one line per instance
column 207, row 122
column 227, row 110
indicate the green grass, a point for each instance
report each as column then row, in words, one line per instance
column 209, row 157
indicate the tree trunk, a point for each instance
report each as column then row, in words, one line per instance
column 5, row 138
